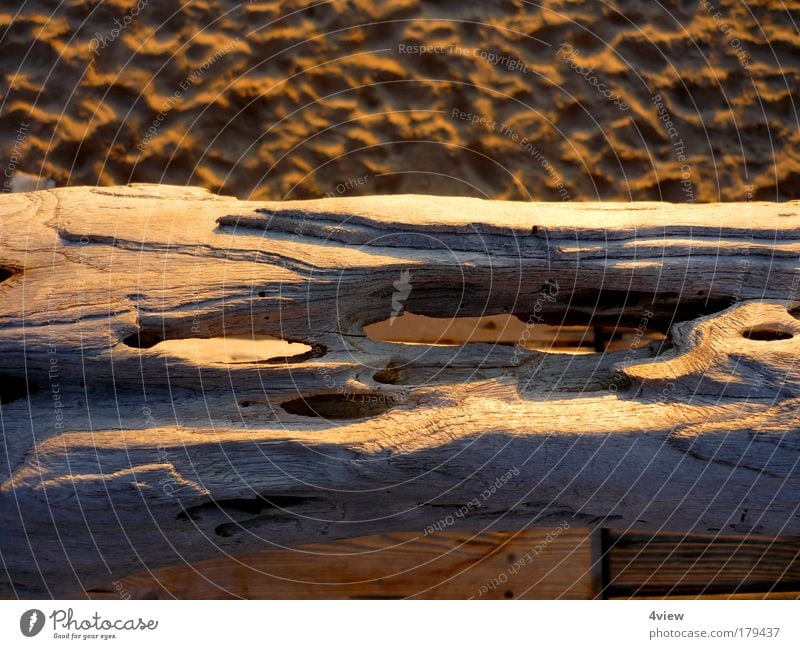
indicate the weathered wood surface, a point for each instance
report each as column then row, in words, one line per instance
column 123, row 458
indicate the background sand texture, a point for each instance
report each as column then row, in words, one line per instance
column 280, row 100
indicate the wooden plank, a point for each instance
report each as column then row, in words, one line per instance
column 527, row 564
column 492, row 565
column 734, row 596
column 677, row 565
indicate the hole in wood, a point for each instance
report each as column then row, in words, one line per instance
column 142, row 339
column 227, row 349
column 392, row 374
column 8, row 273
column 13, row 388
column 234, row 507
column 767, row 334
column 506, row 329
column 667, row 307
column 341, row 406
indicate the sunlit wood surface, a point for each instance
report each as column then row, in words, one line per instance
column 120, row 454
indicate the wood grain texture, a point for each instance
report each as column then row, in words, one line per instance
column 445, row 565
column 700, row 565
column 577, row 563
column 121, row 457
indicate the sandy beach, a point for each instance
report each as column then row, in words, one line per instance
column 559, row 100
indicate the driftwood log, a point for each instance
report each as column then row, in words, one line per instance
column 119, row 455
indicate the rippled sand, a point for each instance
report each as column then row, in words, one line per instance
column 558, row 100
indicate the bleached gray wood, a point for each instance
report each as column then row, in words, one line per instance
column 153, row 461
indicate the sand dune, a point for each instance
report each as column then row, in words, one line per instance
column 558, row 100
